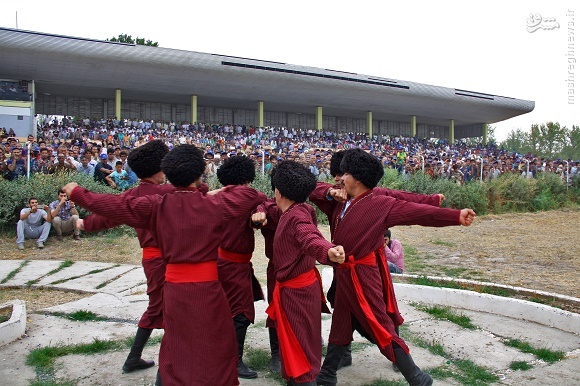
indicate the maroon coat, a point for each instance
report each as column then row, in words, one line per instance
column 298, row 244
column 154, row 268
column 238, row 280
column 199, row 344
column 361, row 232
column 268, row 231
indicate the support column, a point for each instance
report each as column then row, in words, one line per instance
column 118, row 103
column 260, row 113
column 414, row 126
column 318, row 118
column 370, row 123
column 193, row 109
column 485, row 134
column 452, row 131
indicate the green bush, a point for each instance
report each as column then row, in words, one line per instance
column 14, row 195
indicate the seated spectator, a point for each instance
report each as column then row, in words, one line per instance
column 64, row 216
column 34, row 223
column 394, row 253
column 85, row 167
column 119, row 179
column 102, row 170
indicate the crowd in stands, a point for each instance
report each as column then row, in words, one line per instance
column 97, row 147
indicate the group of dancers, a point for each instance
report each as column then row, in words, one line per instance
column 197, row 248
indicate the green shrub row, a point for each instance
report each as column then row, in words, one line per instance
column 508, row 193
column 14, row 195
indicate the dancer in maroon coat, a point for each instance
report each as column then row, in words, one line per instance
column 339, row 194
column 234, row 267
column 145, row 161
column 296, row 303
column 266, row 218
column 364, row 290
column 199, row 344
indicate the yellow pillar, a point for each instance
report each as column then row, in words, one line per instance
column 414, row 126
column 370, row 123
column 193, row 108
column 452, row 130
column 319, row 118
column 260, row 113
column 118, row 103
column 485, row 134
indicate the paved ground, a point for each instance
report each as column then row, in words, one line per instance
column 117, row 293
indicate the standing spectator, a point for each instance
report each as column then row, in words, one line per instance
column 62, row 165
column 34, row 223
column 119, row 179
column 64, row 216
column 394, row 254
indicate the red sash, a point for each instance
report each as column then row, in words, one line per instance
column 191, row 272
column 382, row 335
column 151, row 252
column 233, row 256
column 295, row 361
column 389, row 290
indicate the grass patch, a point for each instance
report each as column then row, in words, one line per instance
column 441, row 372
column 441, row 242
column 463, row 371
column 453, row 272
column 81, row 316
column 384, row 382
column 52, row 382
column 276, row 377
column 413, row 263
column 520, row 365
column 13, row 273
column 5, row 314
column 547, row 355
column 257, row 359
column 359, row 346
column 63, row 265
column 446, row 313
column 88, row 273
column 472, row 374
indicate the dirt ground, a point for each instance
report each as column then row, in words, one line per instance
column 538, row 251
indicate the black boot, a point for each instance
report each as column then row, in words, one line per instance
column 395, row 368
column 346, row 359
column 158, row 380
column 134, row 360
column 274, row 350
column 327, row 375
column 241, row 324
column 412, row 373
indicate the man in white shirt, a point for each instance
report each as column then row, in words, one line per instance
column 34, row 223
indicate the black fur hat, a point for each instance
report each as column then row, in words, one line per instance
column 363, row 166
column 335, row 161
column 237, row 170
column 293, row 181
column 183, row 165
column 145, row 160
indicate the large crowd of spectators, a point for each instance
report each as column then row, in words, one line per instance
column 98, row 147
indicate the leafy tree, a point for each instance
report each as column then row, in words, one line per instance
column 551, row 138
column 517, row 141
column 124, row 38
column 572, row 148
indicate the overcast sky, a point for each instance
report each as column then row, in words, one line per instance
column 477, row 46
